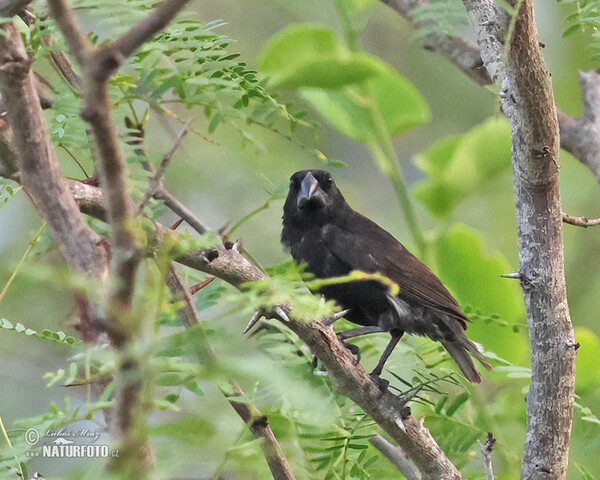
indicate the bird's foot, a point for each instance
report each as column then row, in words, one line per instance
column 382, row 383
column 313, row 366
column 354, row 350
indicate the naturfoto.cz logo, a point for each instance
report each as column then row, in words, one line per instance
column 63, row 447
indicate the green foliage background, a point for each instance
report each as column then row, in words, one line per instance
column 349, row 90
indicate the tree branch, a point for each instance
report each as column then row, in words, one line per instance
column 37, row 162
column 580, row 137
column 396, row 456
column 8, row 156
column 486, row 451
column 26, row 146
column 457, row 50
column 97, row 66
column 129, row 42
column 252, row 417
column 528, row 103
column 155, row 181
column 580, row 221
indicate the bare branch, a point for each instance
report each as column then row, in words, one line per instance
column 76, row 40
column 256, row 421
column 180, row 209
column 37, row 162
column 457, row 50
column 63, row 64
column 147, row 28
column 486, row 451
column 581, row 136
column 528, row 103
column 155, row 180
column 580, row 221
column 396, row 456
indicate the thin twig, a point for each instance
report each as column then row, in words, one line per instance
column 62, row 63
column 180, row 209
column 76, row 40
column 486, row 451
column 256, row 421
column 396, row 456
column 155, row 180
column 161, row 193
column 131, row 40
column 580, row 221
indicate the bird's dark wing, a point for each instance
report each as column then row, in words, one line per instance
column 363, row 245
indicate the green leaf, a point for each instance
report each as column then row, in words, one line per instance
column 351, row 109
column 474, row 278
column 459, row 165
column 193, row 386
column 59, row 337
column 457, row 403
column 306, row 55
column 587, row 359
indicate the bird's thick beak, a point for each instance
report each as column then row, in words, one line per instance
column 309, row 189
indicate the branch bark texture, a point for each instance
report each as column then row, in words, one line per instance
column 517, row 66
column 97, row 66
column 36, row 160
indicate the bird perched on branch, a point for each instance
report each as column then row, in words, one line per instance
column 322, row 231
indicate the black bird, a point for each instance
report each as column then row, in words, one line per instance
column 322, row 231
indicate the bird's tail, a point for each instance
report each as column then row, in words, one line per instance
column 459, row 351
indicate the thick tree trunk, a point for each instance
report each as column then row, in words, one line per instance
column 516, row 65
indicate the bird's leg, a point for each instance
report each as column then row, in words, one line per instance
column 396, row 336
column 357, row 332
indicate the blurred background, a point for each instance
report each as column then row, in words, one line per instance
column 222, row 177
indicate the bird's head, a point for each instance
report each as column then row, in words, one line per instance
column 312, row 193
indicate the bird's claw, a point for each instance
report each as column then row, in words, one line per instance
column 335, row 317
column 382, row 383
column 354, row 350
column 277, row 312
column 313, row 367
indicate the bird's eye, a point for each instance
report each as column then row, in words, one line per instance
column 328, row 182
